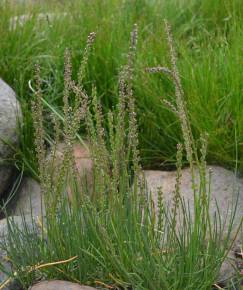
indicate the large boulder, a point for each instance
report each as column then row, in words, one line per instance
column 59, row 285
column 28, row 199
column 10, row 114
column 226, row 191
column 225, row 188
column 30, row 222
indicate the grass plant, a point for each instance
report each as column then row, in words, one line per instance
column 109, row 234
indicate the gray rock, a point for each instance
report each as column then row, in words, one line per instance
column 10, row 112
column 28, row 199
column 59, row 285
column 3, row 275
column 6, row 174
column 225, row 189
column 12, row 284
column 18, row 221
column 229, row 268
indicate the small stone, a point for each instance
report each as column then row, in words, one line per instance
column 59, row 285
column 10, row 114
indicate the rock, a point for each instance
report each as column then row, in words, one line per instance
column 6, row 174
column 82, row 157
column 59, row 285
column 228, row 269
column 83, row 162
column 224, row 189
column 31, row 222
column 10, row 113
column 84, row 166
column 12, row 285
column 224, row 192
column 27, row 201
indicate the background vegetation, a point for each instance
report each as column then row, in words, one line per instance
column 209, row 42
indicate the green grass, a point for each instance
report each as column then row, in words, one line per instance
column 118, row 248
column 116, row 238
column 108, row 233
column 209, row 43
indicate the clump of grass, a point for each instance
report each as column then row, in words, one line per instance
column 109, row 234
